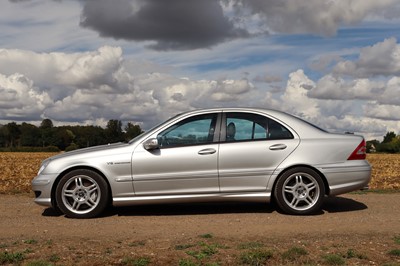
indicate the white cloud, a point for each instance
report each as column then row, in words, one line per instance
column 295, row 99
column 384, row 112
column 335, row 87
column 322, row 17
column 20, row 99
column 391, row 95
column 93, row 87
column 382, row 58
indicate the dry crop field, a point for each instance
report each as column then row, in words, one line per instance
column 18, row 169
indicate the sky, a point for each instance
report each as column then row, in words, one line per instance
column 335, row 63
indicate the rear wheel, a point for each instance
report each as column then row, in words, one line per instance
column 82, row 194
column 299, row 191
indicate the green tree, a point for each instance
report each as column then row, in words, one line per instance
column 390, row 143
column 114, row 131
column 30, row 135
column 389, row 137
column 12, row 134
column 46, row 123
column 132, row 131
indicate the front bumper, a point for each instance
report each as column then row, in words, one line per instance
column 41, row 186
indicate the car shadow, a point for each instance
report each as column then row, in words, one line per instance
column 342, row 204
column 50, row 212
column 190, row 209
column 330, row 205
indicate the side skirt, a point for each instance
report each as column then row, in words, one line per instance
column 187, row 198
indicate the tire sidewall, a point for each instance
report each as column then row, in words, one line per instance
column 278, row 195
column 103, row 187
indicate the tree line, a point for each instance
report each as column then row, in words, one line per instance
column 47, row 137
column 390, row 144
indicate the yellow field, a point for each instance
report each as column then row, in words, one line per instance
column 18, row 169
column 385, row 171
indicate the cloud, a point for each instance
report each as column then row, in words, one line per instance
column 20, row 99
column 382, row 58
column 384, row 112
column 337, row 115
column 295, row 97
column 61, row 74
column 95, row 86
column 337, row 88
column 320, row 17
column 171, row 25
column 391, row 94
column 193, row 24
column 98, row 85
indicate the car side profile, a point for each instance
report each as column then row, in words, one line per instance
column 222, row 154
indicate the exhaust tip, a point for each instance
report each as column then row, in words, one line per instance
column 365, row 188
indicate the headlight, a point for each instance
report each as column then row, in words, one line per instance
column 43, row 166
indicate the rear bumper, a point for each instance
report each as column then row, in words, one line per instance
column 347, row 177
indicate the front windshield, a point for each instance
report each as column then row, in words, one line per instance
column 151, row 129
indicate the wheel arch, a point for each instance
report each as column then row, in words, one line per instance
column 324, row 180
column 66, row 171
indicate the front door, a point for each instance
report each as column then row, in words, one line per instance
column 185, row 163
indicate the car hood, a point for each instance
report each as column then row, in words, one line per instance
column 93, row 149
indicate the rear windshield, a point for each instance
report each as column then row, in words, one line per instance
column 309, row 123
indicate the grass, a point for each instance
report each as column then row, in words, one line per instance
column 334, row 259
column 184, row 246
column 142, row 261
column 351, row 253
column 54, row 258
column 207, row 251
column 294, row 254
column 188, row 262
column 255, row 257
column 39, row 263
column 394, row 252
column 206, row 236
column 11, row 258
column 30, row 241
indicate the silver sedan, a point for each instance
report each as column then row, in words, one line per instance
column 225, row 154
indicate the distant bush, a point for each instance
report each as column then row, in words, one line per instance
column 72, row 147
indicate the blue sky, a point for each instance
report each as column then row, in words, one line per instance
column 334, row 63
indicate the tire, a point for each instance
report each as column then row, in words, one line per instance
column 299, row 191
column 82, row 194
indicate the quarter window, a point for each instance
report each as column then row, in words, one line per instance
column 192, row 131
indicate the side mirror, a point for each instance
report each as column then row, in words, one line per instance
column 151, row 144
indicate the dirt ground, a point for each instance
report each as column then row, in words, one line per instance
column 353, row 229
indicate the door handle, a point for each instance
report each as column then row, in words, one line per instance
column 276, row 147
column 207, row 151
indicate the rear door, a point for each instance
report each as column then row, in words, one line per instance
column 252, row 146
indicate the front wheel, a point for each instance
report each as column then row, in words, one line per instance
column 82, row 194
column 299, row 191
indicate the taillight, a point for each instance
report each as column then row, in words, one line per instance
column 360, row 153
